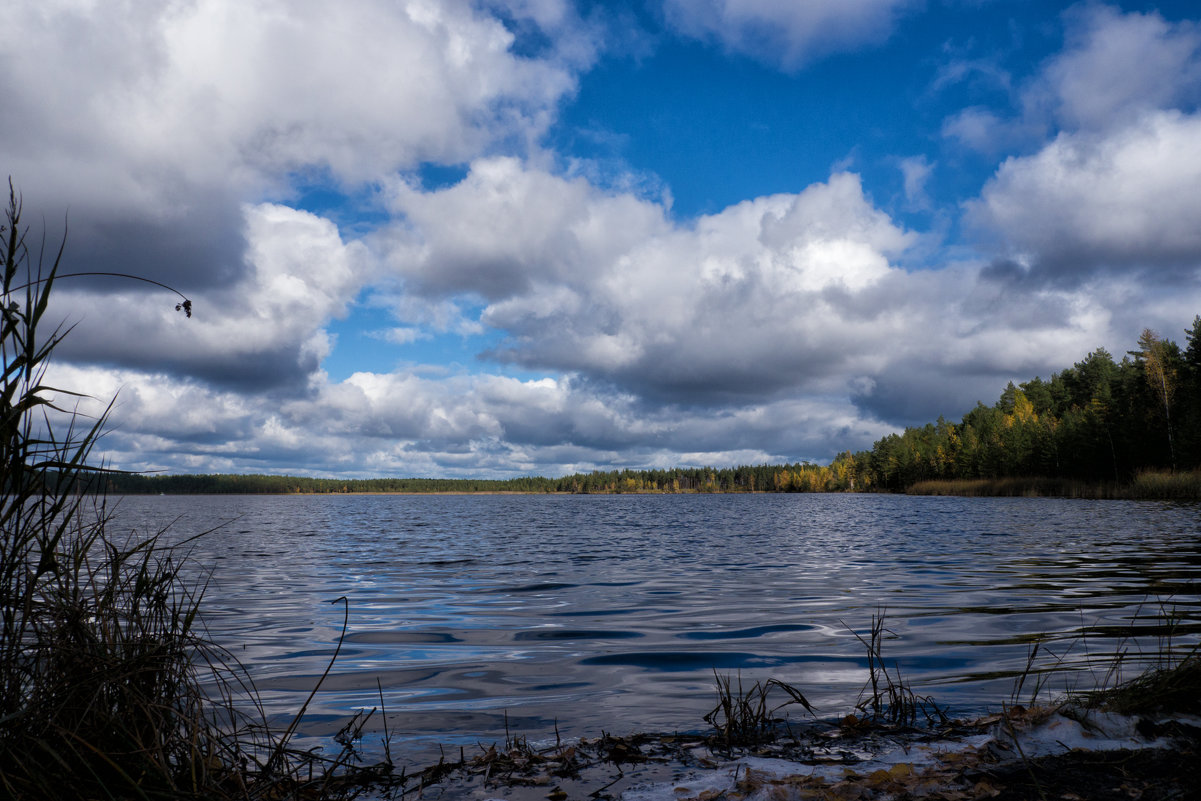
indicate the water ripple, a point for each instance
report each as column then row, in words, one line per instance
column 472, row 610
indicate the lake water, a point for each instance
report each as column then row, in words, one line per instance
column 610, row 613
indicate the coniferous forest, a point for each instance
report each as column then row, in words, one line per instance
column 1101, row 421
column 1096, row 428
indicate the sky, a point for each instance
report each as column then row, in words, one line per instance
column 535, row 237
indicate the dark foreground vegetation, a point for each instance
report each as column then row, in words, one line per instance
column 109, row 688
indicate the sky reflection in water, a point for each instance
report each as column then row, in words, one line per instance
column 612, row 612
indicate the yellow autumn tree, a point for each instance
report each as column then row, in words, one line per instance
column 1161, row 376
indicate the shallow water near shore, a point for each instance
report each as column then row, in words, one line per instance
column 474, row 615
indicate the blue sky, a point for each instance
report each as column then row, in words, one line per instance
column 491, row 238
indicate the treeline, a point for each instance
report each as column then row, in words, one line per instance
column 801, row 477
column 1100, row 421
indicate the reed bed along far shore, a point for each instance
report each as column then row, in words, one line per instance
column 1148, row 485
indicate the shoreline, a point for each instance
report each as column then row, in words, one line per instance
column 1147, row 485
column 1048, row 751
column 957, row 488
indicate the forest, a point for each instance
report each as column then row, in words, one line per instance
column 1100, row 423
column 796, row 477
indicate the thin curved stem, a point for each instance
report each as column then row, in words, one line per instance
column 185, row 306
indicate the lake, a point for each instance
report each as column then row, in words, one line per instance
column 610, row 613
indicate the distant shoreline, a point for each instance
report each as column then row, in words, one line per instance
column 1184, row 486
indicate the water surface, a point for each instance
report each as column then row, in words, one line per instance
column 592, row 613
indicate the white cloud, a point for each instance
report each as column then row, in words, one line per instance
column 398, row 424
column 782, row 297
column 161, row 127
column 915, row 172
column 267, row 327
column 1127, row 198
column 783, row 32
column 777, row 329
column 504, row 227
column 218, row 90
column 152, row 123
column 604, row 284
column 983, row 130
column 402, row 335
column 1116, row 67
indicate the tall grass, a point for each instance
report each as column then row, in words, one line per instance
column 744, row 716
column 100, row 692
column 1169, row 486
column 108, row 687
column 1147, row 485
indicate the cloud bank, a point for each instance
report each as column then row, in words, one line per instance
column 600, row 329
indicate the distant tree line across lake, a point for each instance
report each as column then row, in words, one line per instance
column 706, row 479
column 1100, row 422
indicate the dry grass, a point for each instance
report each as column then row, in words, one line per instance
column 1147, row 485
column 1176, row 688
column 1029, row 487
column 891, row 701
column 1167, row 485
column 744, row 716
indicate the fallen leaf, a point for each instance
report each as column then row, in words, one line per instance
column 983, row 789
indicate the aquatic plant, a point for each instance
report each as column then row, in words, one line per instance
column 743, row 716
column 891, row 700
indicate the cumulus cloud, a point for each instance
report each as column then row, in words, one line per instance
column 1108, row 136
column 1089, row 201
column 150, row 126
column 375, row 424
column 605, row 285
column 263, row 330
column 791, row 298
column 505, row 227
column 1115, row 67
column 777, row 329
column 215, row 91
column 782, row 327
column 787, row 34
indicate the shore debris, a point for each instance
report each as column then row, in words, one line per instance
column 1065, row 752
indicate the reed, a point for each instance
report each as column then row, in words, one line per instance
column 1160, row 484
column 1173, row 688
column 891, row 700
column 109, row 688
column 743, row 716
column 1169, row 677
column 1015, row 487
column 1147, row 485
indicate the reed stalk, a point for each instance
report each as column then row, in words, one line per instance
column 109, row 688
